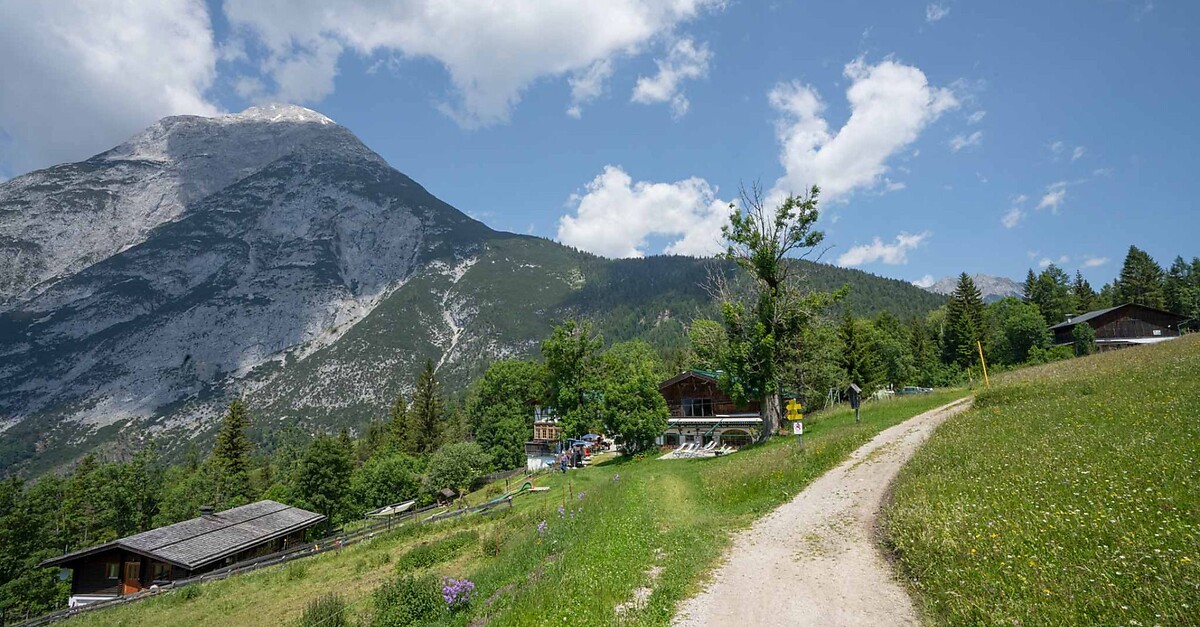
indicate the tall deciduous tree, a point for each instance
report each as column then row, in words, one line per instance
column 1015, row 328
column 964, row 323
column 230, row 458
column 502, row 404
column 633, row 406
column 1085, row 339
column 708, row 341
column 572, row 363
column 1141, row 280
column 322, row 479
column 426, row 413
column 763, row 331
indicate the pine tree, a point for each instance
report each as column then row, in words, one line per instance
column 1141, row 280
column 1177, row 288
column 1085, row 296
column 964, row 323
column 397, row 425
column 230, row 458
column 1052, row 295
column 426, row 413
column 1030, row 283
column 860, row 365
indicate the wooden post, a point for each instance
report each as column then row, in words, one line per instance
column 983, row 363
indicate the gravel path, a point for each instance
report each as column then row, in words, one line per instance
column 815, row 560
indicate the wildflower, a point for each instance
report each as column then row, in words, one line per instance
column 541, row 528
column 561, row 511
column 457, row 592
column 617, row 477
column 581, row 495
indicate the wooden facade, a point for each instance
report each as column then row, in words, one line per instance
column 1123, row 325
column 700, row 412
column 695, row 394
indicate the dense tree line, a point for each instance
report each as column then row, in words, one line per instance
column 425, row 443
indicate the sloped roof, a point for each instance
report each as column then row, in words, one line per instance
column 702, row 374
column 1070, row 322
column 198, row 542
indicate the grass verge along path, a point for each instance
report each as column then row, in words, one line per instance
column 1069, row 495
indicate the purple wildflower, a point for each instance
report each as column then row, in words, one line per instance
column 561, row 511
column 457, row 592
column 617, row 477
column 581, row 495
column 541, row 528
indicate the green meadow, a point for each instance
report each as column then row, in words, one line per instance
column 1069, row 495
column 621, row 542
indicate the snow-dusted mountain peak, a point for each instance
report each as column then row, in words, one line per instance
column 275, row 112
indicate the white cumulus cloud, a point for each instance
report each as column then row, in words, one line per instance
column 614, row 216
column 1078, row 152
column 80, row 77
column 925, row 281
column 1045, row 262
column 492, row 51
column 890, row 104
column 958, row 142
column 976, row 117
column 685, row 61
column 890, row 254
column 1093, row 262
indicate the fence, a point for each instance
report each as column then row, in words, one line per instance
column 331, row 543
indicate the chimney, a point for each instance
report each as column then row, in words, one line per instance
column 206, row 510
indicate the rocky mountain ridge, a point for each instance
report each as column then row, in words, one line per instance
column 992, row 288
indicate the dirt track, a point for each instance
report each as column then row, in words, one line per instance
column 815, row 560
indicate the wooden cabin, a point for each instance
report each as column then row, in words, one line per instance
column 700, row 412
column 1122, row 326
column 182, row 550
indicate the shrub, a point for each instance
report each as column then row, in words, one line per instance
column 455, row 466
column 327, row 610
column 435, row 552
column 407, row 600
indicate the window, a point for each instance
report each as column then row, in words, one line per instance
column 693, row 407
column 112, row 570
column 160, row 571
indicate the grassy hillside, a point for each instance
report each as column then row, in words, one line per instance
column 1069, row 495
column 645, row 529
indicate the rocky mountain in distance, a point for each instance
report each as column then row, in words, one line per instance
column 993, row 288
column 270, row 255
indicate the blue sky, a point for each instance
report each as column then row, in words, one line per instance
column 985, row 137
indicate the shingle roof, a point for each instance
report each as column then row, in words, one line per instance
column 198, row 542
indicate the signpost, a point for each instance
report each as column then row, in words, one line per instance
column 855, row 400
column 794, row 413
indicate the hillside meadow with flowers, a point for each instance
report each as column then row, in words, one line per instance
column 1068, row 495
column 620, row 542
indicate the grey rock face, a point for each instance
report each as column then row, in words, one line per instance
column 992, row 288
column 175, row 264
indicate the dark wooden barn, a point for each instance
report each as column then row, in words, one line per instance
column 163, row 555
column 1123, row 325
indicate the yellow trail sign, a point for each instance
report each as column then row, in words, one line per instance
column 794, row 410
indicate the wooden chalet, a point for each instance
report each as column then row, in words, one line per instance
column 700, row 412
column 1122, row 326
column 182, row 550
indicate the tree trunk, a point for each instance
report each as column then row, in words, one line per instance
column 771, row 411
